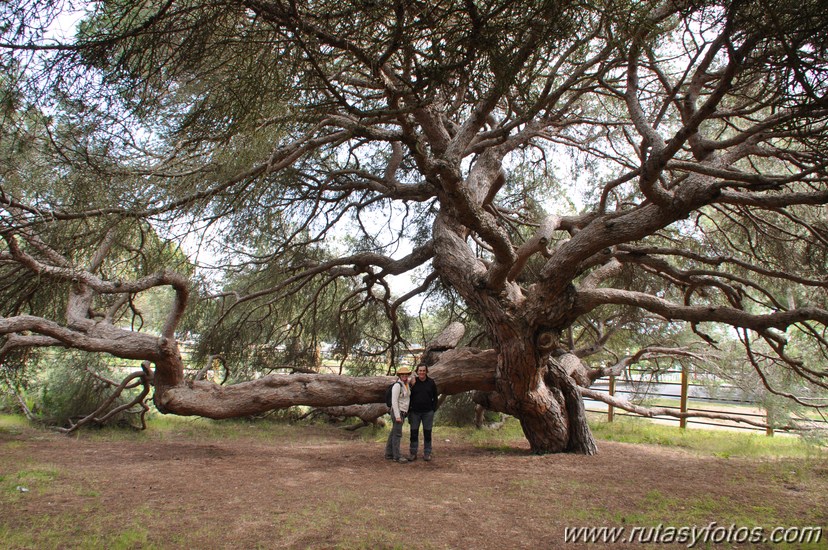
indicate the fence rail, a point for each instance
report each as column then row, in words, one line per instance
column 678, row 390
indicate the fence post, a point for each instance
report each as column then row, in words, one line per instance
column 769, row 429
column 610, row 408
column 684, row 385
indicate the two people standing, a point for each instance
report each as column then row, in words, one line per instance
column 416, row 399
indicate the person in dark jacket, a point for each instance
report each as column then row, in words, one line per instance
column 421, row 409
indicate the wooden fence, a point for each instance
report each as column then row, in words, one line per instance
column 681, row 391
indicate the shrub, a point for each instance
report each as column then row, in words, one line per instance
column 69, row 389
column 459, row 410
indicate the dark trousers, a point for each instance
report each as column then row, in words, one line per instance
column 427, row 420
column 392, row 447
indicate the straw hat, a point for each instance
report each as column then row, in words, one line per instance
column 403, row 370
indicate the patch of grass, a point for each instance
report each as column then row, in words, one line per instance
column 523, row 486
column 13, row 424
column 60, row 531
column 36, row 478
column 42, row 531
column 39, row 475
column 508, row 437
column 656, row 508
column 344, row 518
column 719, row 443
column 133, row 537
column 793, row 472
column 9, row 445
column 164, row 427
column 87, row 492
column 375, row 540
column 83, row 526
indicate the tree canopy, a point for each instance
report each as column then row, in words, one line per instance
column 578, row 179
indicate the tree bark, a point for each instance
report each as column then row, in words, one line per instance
column 457, row 371
column 541, row 395
column 524, row 332
column 448, row 339
column 369, row 414
column 581, row 440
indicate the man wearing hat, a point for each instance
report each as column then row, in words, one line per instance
column 400, row 398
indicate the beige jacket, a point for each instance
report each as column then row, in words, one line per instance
column 400, row 398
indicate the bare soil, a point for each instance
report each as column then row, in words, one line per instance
column 333, row 489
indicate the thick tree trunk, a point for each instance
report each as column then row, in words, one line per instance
column 545, row 427
column 581, row 440
column 540, row 394
column 523, row 331
column 553, row 419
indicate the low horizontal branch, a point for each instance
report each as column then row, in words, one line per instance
column 457, row 371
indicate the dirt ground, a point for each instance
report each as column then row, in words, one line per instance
column 333, row 489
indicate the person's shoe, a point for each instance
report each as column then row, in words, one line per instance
column 402, row 460
column 389, row 457
column 427, row 457
column 412, row 457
